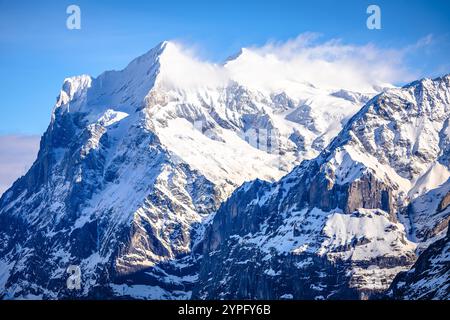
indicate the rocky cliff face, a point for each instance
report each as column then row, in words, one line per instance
column 344, row 213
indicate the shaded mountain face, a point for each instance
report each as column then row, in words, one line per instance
column 135, row 162
column 429, row 278
column 344, row 224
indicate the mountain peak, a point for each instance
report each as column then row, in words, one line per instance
column 426, row 81
column 154, row 54
column 242, row 53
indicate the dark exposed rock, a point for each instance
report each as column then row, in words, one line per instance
column 445, row 202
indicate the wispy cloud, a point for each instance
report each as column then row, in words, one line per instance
column 17, row 153
column 305, row 59
column 328, row 64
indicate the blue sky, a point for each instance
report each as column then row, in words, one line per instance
column 37, row 51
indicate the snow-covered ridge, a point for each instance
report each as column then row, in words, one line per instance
column 403, row 134
column 350, row 205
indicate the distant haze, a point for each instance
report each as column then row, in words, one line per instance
column 17, row 154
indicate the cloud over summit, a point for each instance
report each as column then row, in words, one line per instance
column 291, row 65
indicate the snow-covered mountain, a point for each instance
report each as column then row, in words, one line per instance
column 138, row 174
column 134, row 162
column 344, row 224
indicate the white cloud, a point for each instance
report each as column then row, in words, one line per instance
column 182, row 69
column 329, row 65
column 17, row 153
column 294, row 64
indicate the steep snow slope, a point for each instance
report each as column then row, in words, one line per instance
column 338, row 226
column 134, row 162
column 429, row 214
